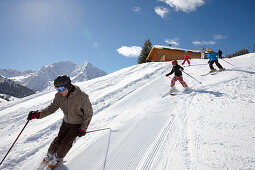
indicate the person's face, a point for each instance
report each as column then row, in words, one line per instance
column 174, row 64
column 64, row 93
column 62, row 90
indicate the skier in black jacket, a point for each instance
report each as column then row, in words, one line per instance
column 177, row 70
column 220, row 53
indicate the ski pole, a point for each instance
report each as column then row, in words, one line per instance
column 97, row 130
column 229, row 63
column 191, row 77
column 14, row 142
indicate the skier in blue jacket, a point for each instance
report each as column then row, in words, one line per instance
column 212, row 56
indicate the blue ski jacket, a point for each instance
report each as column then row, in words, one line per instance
column 212, row 56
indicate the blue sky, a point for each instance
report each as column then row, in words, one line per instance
column 110, row 33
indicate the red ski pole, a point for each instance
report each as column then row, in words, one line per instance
column 97, row 130
column 14, row 142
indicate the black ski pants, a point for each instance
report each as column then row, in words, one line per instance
column 217, row 64
column 63, row 142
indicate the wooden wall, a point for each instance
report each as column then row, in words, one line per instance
column 161, row 55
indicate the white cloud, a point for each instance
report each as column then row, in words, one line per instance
column 161, row 11
column 184, row 5
column 204, row 42
column 219, row 37
column 136, row 9
column 95, row 44
column 172, row 41
column 133, row 51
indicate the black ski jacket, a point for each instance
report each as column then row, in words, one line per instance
column 220, row 53
column 177, row 70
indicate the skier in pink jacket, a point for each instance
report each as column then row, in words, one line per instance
column 186, row 57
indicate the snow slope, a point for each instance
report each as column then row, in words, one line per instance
column 212, row 126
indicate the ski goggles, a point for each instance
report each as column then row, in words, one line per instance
column 61, row 88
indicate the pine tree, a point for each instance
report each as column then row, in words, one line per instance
column 145, row 51
column 238, row 53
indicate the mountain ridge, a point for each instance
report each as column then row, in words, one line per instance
column 42, row 78
column 10, row 88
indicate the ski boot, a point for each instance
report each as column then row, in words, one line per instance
column 172, row 89
column 222, row 69
column 212, row 70
column 48, row 157
column 55, row 160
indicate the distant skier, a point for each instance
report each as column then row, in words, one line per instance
column 177, row 70
column 202, row 53
column 186, row 57
column 220, row 53
column 78, row 112
column 212, row 56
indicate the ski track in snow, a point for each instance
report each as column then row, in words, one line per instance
column 136, row 146
column 211, row 126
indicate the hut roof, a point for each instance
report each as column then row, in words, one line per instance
column 174, row 48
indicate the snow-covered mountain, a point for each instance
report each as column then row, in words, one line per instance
column 10, row 88
column 44, row 77
column 13, row 73
column 86, row 71
column 210, row 127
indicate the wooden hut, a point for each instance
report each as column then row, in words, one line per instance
column 163, row 53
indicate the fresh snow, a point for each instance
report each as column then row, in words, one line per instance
column 211, row 126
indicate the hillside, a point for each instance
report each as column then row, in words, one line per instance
column 212, row 126
column 8, row 87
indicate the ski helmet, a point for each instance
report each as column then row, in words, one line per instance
column 209, row 50
column 175, row 61
column 62, row 81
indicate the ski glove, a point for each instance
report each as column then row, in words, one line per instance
column 181, row 69
column 33, row 115
column 81, row 133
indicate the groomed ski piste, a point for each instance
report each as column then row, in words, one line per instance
column 211, row 126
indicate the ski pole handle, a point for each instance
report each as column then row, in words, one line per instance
column 14, row 142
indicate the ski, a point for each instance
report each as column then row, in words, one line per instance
column 57, row 165
column 187, row 91
column 213, row 73
column 217, row 71
column 42, row 166
column 168, row 93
